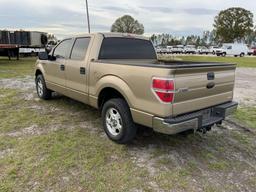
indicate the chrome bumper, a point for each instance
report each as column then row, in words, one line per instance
column 194, row 121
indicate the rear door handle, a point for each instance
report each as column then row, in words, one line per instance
column 62, row 67
column 82, row 71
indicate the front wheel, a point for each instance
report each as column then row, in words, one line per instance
column 41, row 88
column 117, row 121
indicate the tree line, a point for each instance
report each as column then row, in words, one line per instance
column 231, row 25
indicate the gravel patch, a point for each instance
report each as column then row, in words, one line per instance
column 24, row 84
column 245, row 89
column 6, row 152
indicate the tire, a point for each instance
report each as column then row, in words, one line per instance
column 117, row 121
column 213, row 52
column 41, row 89
column 224, row 54
column 242, row 55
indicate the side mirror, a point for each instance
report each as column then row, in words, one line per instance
column 43, row 56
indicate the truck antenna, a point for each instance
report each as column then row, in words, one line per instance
column 88, row 17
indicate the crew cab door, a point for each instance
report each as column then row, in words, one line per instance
column 77, row 69
column 55, row 67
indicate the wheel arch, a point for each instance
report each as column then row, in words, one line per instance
column 113, row 87
column 106, row 94
column 39, row 70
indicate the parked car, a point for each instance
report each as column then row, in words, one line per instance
column 178, row 49
column 252, row 51
column 203, row 50
column 158, row 50
column 169, row 49
column 190, row 49
column 120, row 75
column 162, row 50
column 234, row 49
column 213, row 49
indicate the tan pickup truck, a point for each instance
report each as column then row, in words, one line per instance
column 121, row 76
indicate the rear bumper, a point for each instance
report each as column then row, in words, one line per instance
column 195, row 120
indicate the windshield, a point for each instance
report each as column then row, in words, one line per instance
column 126, row 48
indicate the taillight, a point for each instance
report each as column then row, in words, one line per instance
column 164, row 89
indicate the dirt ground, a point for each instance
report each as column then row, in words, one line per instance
column 246, row 86
column 222, row 160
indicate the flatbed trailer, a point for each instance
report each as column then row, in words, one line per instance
column 9, row 50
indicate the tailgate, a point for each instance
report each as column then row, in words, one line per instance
column 201, row 87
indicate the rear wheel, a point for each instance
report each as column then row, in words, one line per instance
column 117, row 121
column 41, row 88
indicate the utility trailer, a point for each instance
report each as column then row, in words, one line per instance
column 28, row 43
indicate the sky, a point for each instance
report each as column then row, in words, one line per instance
column 68, row 17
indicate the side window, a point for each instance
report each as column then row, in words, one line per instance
column 80, row 48
column 63, row 49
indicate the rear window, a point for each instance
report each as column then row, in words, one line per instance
column 126, row 48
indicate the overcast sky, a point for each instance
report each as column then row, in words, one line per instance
column 67, row 17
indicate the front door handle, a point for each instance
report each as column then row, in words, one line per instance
column 62, row 67
column 82, row 71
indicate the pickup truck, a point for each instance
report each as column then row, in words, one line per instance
column 120, row 75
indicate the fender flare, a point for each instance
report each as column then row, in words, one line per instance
column 111, row 81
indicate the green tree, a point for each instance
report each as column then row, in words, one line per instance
column 127, row 24
column 233, row 24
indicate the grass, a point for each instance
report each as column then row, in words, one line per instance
column 67, row 150
column 68, row 161
column 241, row 62
column 69, row 158
column 16, row 68
column 247, row 116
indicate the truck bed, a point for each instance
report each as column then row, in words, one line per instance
column 166, row 64
column 198, row 85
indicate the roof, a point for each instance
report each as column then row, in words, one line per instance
column 110, row 34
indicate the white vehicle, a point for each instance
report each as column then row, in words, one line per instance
column 234, row 49
column 161, row 50
column 190, row 49
column 213, row 49
column 158, row 50
column 169, row 49
column 203, row 50
column 30, row 51
column 178, row 49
